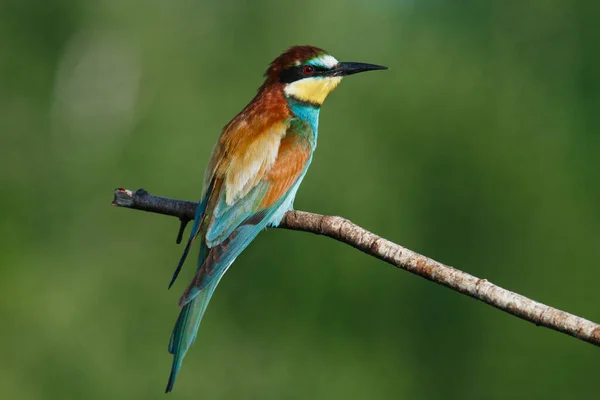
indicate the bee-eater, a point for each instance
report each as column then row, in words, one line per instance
column 253, row 174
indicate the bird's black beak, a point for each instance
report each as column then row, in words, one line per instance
column 350, row 68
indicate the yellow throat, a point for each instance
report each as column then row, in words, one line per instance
column 312, row 90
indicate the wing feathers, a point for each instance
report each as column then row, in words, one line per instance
column 230, row 232
column 294, row 153
column 250, row 161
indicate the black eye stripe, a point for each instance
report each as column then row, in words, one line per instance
column 295, row 73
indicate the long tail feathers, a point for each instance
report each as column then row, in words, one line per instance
column 193, row 234
column 186, row 328
column 183, row 256
column 212, row 265
column 218, row 260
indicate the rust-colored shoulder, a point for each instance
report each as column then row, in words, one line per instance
column 248, row 145
column 268, row 107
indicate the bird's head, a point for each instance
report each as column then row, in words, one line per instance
column 308, row 74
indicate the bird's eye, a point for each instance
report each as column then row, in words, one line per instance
column 308, row 69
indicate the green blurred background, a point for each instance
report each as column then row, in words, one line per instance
column 479, row 147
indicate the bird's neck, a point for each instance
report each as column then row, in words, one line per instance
column 272, row 101
column 306, row 111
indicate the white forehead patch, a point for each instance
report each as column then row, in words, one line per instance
column 325, row 60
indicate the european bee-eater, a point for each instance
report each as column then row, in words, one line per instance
column 253, row 174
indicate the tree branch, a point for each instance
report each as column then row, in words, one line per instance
column 345, row 231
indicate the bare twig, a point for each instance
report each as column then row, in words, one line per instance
column 345, row 231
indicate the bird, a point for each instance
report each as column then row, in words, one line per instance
column 253, row 174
